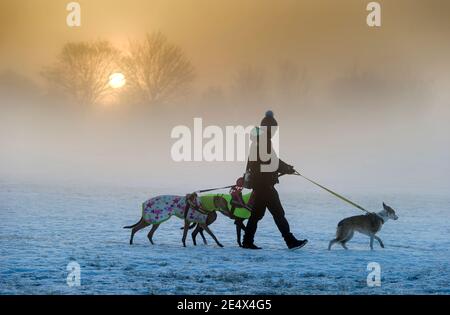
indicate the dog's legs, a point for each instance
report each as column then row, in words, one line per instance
column 206, row 228
column 332, row 242
column 241, row 224
column 197, row 230
column 209, row 220
column 203, row 236
column 238, row 235
column 186, row 228
column 347, row 238
column 142, row 224
column 379, row 241
column 343, row 235
column 371, row 242
column 194, row 234
column 239, row 227
column 152, row 231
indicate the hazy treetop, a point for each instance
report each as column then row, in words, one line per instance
column 224, row 35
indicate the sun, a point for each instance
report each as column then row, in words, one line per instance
column 117, row 80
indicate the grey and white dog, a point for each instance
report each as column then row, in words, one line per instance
column 368, row 224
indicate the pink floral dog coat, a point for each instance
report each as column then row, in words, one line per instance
column 159, row 209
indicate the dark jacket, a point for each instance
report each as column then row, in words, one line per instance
column 266, row 179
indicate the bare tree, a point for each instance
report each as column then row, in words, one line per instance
column 157, row 70
column 82, row 70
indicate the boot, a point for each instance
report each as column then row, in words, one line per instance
column 250, row 246
column 297, row 244
column 293, row 243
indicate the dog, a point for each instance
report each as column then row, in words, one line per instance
column 238, row 221
column 368, row 224
column 240, row 226
column 208, row 205
column 161, row 208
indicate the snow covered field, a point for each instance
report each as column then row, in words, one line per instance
column 42, row 229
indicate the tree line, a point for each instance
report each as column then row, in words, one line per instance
column 156, row 70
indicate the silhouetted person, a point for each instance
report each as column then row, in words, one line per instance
column 263, row 182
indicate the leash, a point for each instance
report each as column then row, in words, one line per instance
column 308, row 179
column 189, row 203
column 332, row 192
column 211, row 189
column 224, row 187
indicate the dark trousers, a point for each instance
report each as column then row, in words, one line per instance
column 267, row 197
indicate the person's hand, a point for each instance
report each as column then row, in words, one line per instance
column 290, row 170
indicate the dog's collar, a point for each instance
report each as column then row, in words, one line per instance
column 380, row 217
column 195, row 205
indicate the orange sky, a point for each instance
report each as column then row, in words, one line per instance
column 386, row 126
column 220, row 36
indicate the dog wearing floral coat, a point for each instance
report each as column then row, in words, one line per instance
column 161, row 208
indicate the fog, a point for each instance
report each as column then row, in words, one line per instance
column 359, row 109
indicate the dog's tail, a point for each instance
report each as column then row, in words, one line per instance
column 190, row 227
column 132, row 226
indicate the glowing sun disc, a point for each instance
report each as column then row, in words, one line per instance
column 117, row 80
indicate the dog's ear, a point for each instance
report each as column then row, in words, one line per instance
column 387, row 208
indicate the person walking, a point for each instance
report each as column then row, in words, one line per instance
column 263, row 183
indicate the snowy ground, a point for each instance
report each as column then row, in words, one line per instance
column 42, row 229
